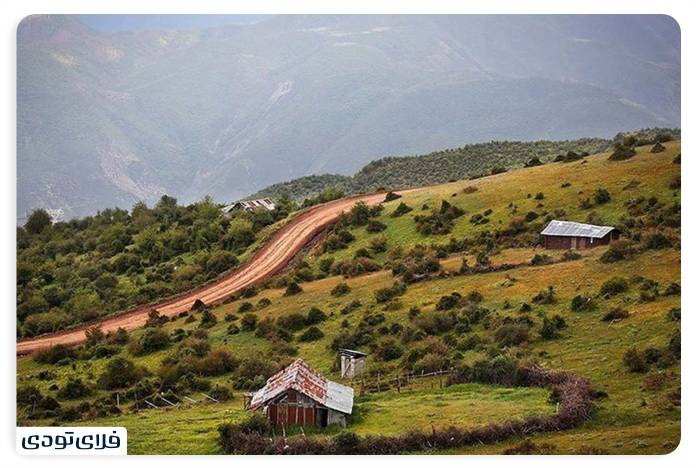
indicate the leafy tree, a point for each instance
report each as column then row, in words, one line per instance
column 38, row 221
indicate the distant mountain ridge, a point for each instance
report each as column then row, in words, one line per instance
column 107, row 119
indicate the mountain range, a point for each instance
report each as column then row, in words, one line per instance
column 109, row 118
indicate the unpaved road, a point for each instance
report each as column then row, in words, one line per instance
column 271, row 258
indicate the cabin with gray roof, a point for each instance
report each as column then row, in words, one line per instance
column 571, row 235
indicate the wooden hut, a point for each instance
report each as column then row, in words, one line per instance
column 353, row 363
column 571, row 235
column 299, row 395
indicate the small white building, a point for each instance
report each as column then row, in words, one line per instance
column 353, row 363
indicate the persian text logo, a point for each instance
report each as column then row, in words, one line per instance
column 72, row 440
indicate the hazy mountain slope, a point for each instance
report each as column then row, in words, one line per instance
column 108, row 119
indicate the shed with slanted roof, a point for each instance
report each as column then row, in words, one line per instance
column 300, row 396
column 572, row 235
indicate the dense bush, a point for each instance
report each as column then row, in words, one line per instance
column 341, row 289
column 617, row 251
column 55, row 354
column 657, row 241
column 401, row 210
column 602, row 196
column 512, row 334
column 614, row 286
column 151, row 340
column 386, row 294
column 74, row 388
column 581, row 303
column 622, row 152
column 249, row 322
column 314, row 316
column 311, row 334
column 375, row 226
column 635, row 361
column 292, row 289
column 120, row 373
column 616, row 313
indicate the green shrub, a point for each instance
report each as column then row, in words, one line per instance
column 55, row 354
column 548, row 296
column 375, row 226
column 120, row 373
column 313, row 333
column 548, row 330
column 292, row 289
column 616, row 313
column 541, row 259
column 151, row 340
column 347, row 442
column 657, row 241
column 390, row 196
column 389, row 350
column 602, row 196
column 315, row 316
column 74, row 389
column 614, row 286
column 341, row 289
column 619, row 250
column 581, row 303
column 622, row 152
column 208, row 319
column 401, row 210
column 512, row 334
column 635, row 361
column 249, row 322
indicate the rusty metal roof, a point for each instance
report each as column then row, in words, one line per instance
column 573, row 229
column 300, row 377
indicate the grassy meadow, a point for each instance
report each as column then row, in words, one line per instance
column 638, row 415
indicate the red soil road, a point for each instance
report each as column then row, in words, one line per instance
column 270, row 259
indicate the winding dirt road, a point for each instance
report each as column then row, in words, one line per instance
column 270, row 259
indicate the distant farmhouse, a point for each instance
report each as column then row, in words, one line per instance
column 251, row 205
column 300, row 396
column 571, row 235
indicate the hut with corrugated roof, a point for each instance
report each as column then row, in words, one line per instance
column 572, row 235
column 300, row 396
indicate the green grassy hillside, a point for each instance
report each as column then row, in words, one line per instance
column 582, row 314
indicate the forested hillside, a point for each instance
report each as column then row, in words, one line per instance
column 73, row 272
column 465, row 162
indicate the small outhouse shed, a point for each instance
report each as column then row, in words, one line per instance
column 353, row 363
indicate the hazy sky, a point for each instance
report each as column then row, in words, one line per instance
column 112, row 23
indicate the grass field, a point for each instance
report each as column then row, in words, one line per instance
column 632, row 419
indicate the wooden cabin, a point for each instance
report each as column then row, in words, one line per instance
column 300, row 396
column 571, row 235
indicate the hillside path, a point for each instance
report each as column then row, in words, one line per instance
column 270, row 259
